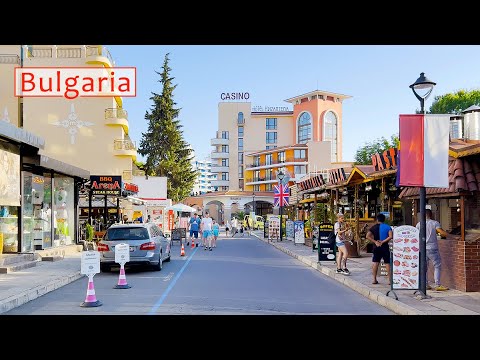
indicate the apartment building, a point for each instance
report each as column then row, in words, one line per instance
column 203, row 182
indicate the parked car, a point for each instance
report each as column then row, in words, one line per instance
column 248, row 222
column 148, row 245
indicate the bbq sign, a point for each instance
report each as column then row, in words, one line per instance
column 106, row 185
column 406, row 258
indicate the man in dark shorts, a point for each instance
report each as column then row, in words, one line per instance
column 194, row 224
column 380, row 234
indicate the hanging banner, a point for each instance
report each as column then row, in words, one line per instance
column 299, row 232
column 326, row 251
column 406, row 258
column 290, row 230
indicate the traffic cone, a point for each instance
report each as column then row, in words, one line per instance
column 193, row 243
column 91, row 299
column 122, row 280
column 182, row 252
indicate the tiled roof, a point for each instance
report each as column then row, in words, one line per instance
column 463, row 175
column 461, row 148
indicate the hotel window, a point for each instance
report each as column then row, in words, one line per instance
column 268, row 159
column 240, row 131
column 300, row 154
column 330, row 132
column 271, row 137
column 304, row 128
column 269, row 147
column 225, row 149
column 240, row 144
column 268, row 187
column 256, row 187
column 256, row 175
column 240, row 119
column 240, row 158
column 224, row 176
column 224, row 134
column 281, row 156
column 240, row 184
column 271, row 123
column 256, row 161
column 240, row 172
column 300, row 169
column 268, row 174
column 224, row 162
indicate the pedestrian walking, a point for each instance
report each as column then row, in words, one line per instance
column 206, row 226
column 340, row 228
column 194, row 226
column 380, row 234
column 234, row 226
column 216, row 231
column 433, row 254
column 227, row 228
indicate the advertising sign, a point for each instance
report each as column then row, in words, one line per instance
column 326, row 252
column 299, row 232
column 106, row 185
column 290, row 230
column 90, row 264
column 406, row 258
column 274, row 227
column 122, row 253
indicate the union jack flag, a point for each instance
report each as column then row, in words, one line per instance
column 281, row 194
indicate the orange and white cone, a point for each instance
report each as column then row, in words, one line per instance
column 193, row 243
column 182, row 252
column 122, row 279
column 90, row 299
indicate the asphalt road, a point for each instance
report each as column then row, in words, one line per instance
column 240, row 276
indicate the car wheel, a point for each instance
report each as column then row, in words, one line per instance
column 105, row 268
column 159, row 266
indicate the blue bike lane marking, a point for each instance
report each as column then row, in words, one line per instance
column 160, row 301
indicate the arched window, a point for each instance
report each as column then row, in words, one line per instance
column 240, row 118
column 304, row 128
column 330, row 132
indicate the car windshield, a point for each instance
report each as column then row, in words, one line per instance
column 133, row 233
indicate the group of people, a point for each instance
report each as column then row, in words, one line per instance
column 208, row 229
column 380, row 234
column 234, row 227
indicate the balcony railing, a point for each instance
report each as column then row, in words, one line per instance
column 116, row 113
column 124, row 145
column 75, row 52
column 40, row 52
column 100, row 51
column 69, row 53
column 276, row 162
column 9, row 59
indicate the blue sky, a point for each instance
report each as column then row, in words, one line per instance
column 377, row 77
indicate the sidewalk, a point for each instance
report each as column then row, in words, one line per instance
column 451, row 302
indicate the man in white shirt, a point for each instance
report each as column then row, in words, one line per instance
column 234, row 226
column 206, row 227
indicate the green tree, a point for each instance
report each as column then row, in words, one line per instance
column 167, row 153
column 363, row 156
column 455, row 103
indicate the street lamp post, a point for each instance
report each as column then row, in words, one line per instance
column 280, row 177
column 254, row 210
column 425, row 86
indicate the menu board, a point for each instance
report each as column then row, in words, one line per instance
column 326, row 251
column 406, row 258
column 299, row 230
column 274, row 227
column 290, row 231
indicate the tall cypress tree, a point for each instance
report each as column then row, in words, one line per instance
column 167, row 153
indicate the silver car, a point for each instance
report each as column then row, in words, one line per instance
column 148, row 245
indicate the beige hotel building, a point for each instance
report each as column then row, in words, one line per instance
column 253, row 142
column 79, row 138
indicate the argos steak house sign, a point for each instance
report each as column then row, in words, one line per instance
column 106, row 185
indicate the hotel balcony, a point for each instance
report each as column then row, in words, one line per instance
column 117, row 116
column 99, row 55
column 219, row 155
column 9, row 59
column 122, row 147
column 218, row 141
column 220, row 183
column 219, row 169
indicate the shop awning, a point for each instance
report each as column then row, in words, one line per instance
column 305, row 201
column 63, row 168
column 21, row 135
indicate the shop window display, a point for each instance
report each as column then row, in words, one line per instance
column 27, row 212
column 64, row 222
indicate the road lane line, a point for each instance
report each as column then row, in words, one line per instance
column 155, row 307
